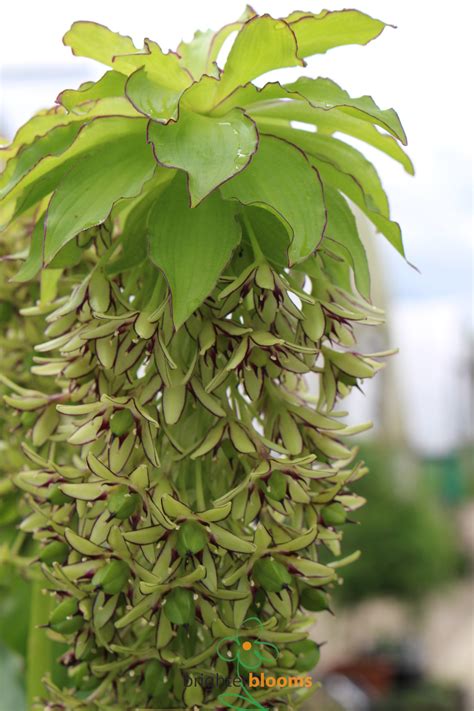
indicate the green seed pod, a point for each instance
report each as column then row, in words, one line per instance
column 156, row 681
column 191, row 538
column 57, row 497
column 66, row 608
column 121, row 422
column 180, row 607
column 271, row 575
column 54, row 552
column 334, row 514
column 307, row 654
column 82, row 677
column 28, row 419
column 112, row 577
column 276, row 487
column 122, row 503
column 259, row 357
column 69, row 626
column 6, row 311
column 78, row 673
column 314, row 599
column 64, row 618
column 286, row 659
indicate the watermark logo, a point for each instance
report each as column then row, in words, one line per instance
column 250, row 653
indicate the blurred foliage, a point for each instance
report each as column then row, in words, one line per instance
column 12, row 696
column 423, row 697
column 407, row 539
column 15, row 594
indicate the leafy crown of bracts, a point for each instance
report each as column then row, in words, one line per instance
column 196, row 258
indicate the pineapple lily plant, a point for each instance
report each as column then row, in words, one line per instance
column 192, row 257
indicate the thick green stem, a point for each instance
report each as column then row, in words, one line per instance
column 39, row 659
column 259, row 256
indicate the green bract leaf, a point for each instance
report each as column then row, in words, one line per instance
column 191, row 245
column 325, row 94
column 327, row 122
column 210, row 150
column 347, row 185
column 321, row 93
column 271, row 233
column 52, row 144
column 343, row 229
column 150, row 98
column 112, row 83
column 87, row 194
column 195, row 55
column 316, row 34
column 134, row 237
column 89, row 39
column 262, row 44
column 32, row 264
column 156, row 85
column 199, row 55
column 343, row 157
column 293, row 192
column 164, row 67
column 44, row 176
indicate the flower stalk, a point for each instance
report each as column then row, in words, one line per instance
column 198, row 260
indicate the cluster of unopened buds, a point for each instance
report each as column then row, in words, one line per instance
column 182, row 481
